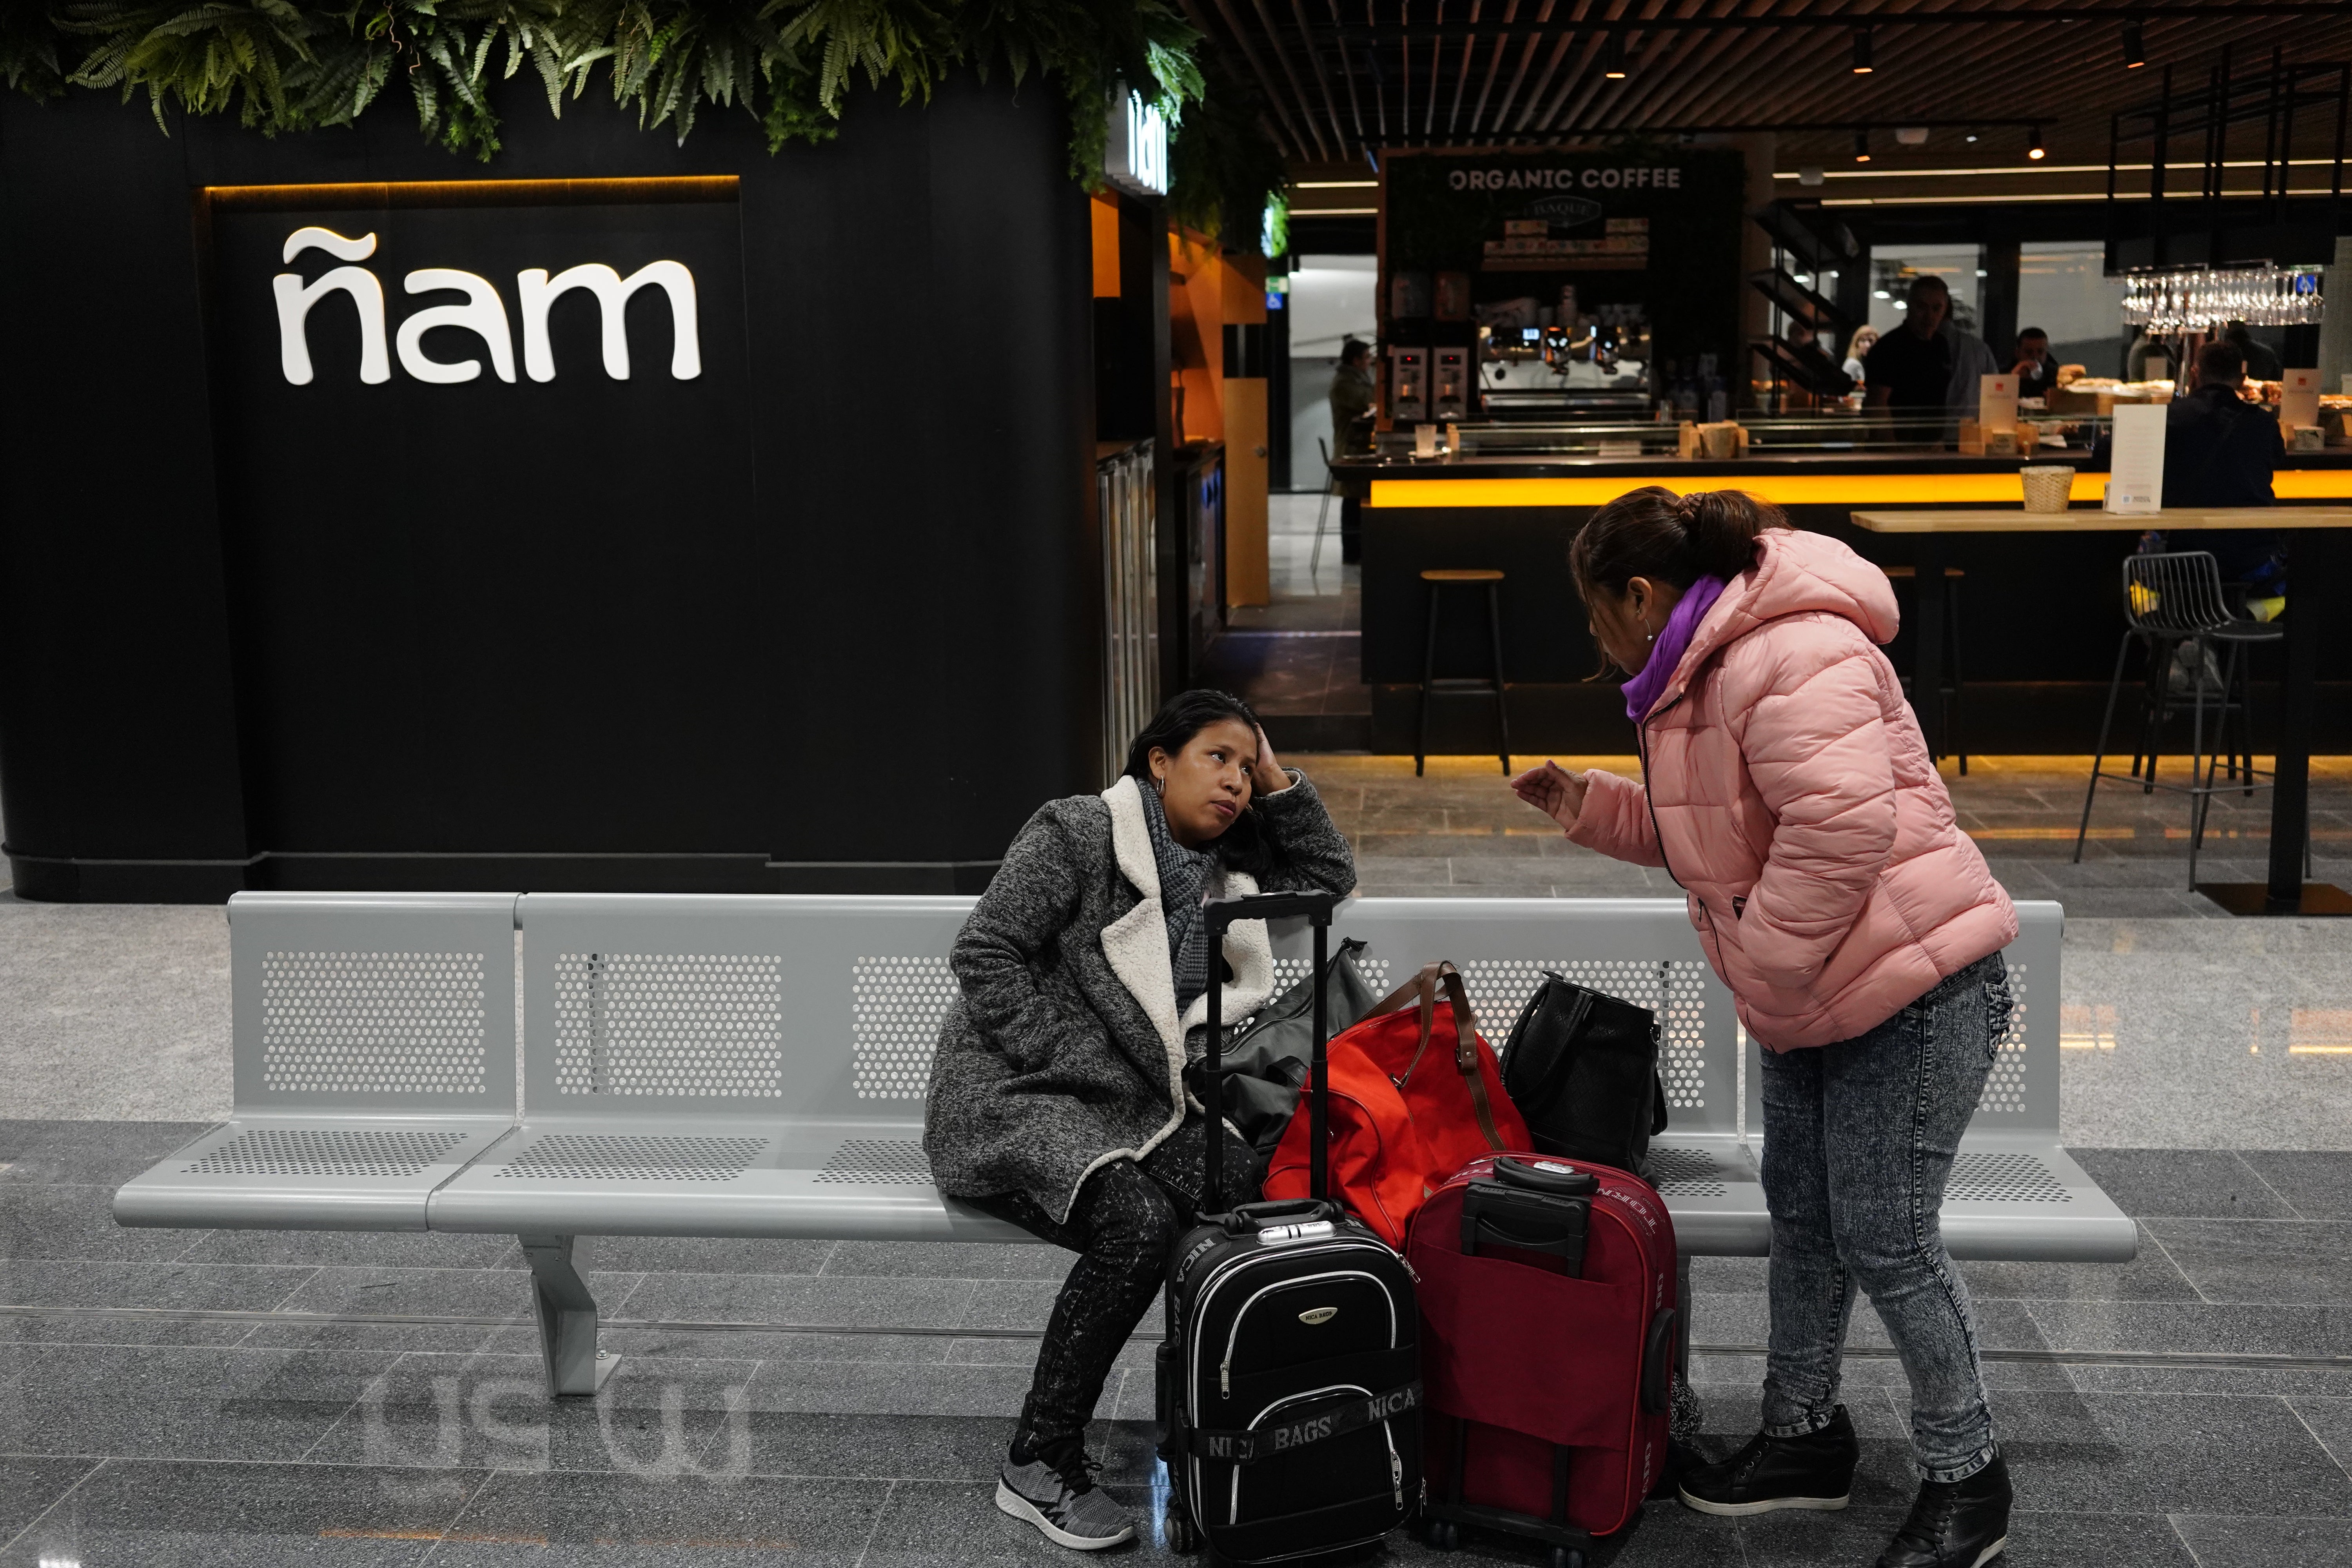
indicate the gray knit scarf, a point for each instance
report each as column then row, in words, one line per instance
column 1184, row 876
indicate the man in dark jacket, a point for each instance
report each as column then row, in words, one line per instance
column 2220, row 450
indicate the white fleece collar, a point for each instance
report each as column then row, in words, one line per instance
column 1136, row 944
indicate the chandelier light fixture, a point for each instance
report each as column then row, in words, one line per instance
column 2168, row 303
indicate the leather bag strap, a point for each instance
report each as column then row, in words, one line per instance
column 1423, row 988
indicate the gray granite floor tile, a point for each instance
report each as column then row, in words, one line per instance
column 451, row 1338
column 648, row 1521
column 170, row 1403
column 886, row 1388
column 2038, row 1540
column 60, row 1221
column 156, row 1514
column 702, row 1254
column 2194, row 1326
column 923, row 1446
column 44, row 1282
column 799, row 1299
column 357, row 1249
column 2147, row 1453
column 1746, row 1374
column 2325, row 1383
column 2192, row 1184
column 435, row 1293
column 2316, row 1185
column 656, row 1415
column 948, row 1260
column 1724, row 1318
column 1022, row 1351
column 733, row 1343
column 1011, row 1303
column 2330, row 1421
column 2261, row 1260
column 953, row 1524
column 29, row 1484
column 115, row 1010
column 64, row 1329
column 2233, row 1541
column 2151, row 1277
column 1745, row 1275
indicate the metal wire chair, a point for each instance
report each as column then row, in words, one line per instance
column 2174, row 601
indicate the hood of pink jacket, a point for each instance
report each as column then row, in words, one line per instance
column 1796, row 573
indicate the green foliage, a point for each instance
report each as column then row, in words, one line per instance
column 297, row 65
column 1224, row 168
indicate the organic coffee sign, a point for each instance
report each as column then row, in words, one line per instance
column 1652, row 232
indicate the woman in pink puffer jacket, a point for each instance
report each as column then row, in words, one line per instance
column 1788, row 789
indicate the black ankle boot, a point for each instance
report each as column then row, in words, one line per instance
column 1813, row 1471
column 1955, row 1524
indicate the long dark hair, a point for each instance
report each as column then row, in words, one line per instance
column 1180, row 717
column 1653, row 532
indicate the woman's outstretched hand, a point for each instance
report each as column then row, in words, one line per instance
column 1552, row 790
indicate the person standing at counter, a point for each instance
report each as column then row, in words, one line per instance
column 1787, row 787
column 1926, row 371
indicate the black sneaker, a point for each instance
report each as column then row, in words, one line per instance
column 1955, row 1524
column 1054, row 1488
column 1812, row 1471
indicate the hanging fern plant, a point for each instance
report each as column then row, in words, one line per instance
column 299, row 65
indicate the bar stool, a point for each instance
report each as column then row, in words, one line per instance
column 1323, row 513
column 1439, row 579
column 2174, row 601
column 1954, row 707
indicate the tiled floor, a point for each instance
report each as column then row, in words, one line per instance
column 298, row 1425
column 171, row 1398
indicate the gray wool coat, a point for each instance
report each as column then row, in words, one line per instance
column 1065, row 1052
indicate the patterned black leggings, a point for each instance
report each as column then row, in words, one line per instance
column 1123, row 1225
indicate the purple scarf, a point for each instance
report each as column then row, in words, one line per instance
column 1673, row 642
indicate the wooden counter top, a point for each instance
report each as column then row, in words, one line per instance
column 2016, row 521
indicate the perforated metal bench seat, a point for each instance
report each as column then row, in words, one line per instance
column 787, row 1176
column 756, row 1066
column 374, row 1058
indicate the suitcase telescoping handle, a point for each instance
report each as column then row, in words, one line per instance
column 1220, row 914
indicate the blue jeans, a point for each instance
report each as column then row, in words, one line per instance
column 1859, row 1138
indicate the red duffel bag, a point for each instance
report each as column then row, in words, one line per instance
column 1404, row 1115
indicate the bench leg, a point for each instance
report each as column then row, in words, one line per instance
column 567, row 1320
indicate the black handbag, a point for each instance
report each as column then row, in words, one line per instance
column 1265, row 1063
column 1582, row 1067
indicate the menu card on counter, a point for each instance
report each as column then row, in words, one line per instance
column 1996, row 403
column 2136, row 478
column 2298, row 400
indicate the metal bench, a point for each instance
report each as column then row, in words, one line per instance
column 755, row 1066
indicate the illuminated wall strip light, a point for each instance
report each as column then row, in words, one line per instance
column 2034, row 197
column 1334, row 184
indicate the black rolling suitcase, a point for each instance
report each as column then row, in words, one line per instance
column 1289, row 1382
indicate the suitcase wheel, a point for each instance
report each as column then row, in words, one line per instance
column 1182, row 1538
column 1566, row 1557
column 1444, row 1535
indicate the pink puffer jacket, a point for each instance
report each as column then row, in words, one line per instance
column 1794, row 800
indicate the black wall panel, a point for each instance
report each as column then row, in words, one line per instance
column 821, row 617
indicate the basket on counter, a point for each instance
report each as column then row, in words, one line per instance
column 2048, row 485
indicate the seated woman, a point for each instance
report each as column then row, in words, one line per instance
column 1058, row 1097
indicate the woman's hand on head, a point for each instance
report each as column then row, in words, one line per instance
column 1552, row 790
column 1268, row 777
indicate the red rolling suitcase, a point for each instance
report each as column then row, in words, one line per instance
column 1549, row 1333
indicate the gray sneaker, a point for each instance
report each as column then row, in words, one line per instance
column 1065, row 1504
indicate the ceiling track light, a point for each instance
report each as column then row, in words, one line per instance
column 2134, row 44
column 2033, row 148
column 1862, row 146
column 1862, row 66
column 1613, row 56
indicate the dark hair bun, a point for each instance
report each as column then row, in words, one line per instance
column 1653, row 532
column 1721, row 530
